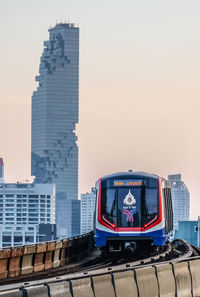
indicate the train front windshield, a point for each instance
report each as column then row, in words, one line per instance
column 129, row 206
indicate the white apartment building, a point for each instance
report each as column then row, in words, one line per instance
column 23, row 206
column 88, row 202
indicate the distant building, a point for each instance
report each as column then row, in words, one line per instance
column 180, row 199
column 73, row 217
column 23, row 208
column 54, row 117
column 1, row 171
column 46, row 232
column 189, row 231
column 88, row 202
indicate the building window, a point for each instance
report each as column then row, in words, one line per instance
column 18, row 238
column 33, row 214
column 21, row 186
column 33, row 210
column 6, row 238
column 33, row 196
column 29, row 238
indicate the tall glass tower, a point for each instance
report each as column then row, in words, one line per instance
column 54, row 117
column 180, row 199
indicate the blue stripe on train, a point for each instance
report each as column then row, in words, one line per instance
column 158, row 237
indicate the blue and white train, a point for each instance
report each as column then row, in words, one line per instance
column 132, row 208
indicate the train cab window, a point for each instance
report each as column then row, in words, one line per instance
column 108, row 204
column 129, row 207
column 150, row 208
column 151, row 196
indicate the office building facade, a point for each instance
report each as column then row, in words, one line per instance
column 54, row 117
column 88, row 202
column 73, row 220
column 180, row 199
column 23, row 208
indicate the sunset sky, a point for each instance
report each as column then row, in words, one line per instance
column 139, row 85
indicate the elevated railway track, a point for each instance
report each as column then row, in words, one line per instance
column 92, row 275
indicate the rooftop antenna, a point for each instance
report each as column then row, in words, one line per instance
column 179, row 169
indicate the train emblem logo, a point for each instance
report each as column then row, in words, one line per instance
column 129, row 214
column 129, row 199
column 129, row 210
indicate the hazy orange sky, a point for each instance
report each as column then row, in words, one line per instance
column 139, row 85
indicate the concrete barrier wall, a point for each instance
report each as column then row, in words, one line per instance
column 164, row 280
column 194, row 267
column 23, row 260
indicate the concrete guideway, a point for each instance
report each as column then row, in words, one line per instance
column 39, row 263
column 178, row 275
column 32, row 259
column 180, row 278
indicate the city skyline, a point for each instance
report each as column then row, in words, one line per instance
column 139, row 86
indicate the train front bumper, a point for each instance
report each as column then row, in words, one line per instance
column 158, row 237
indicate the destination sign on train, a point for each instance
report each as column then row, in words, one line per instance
column 128, row 183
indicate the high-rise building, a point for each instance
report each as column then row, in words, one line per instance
column 54, row 118
column 88, row 202
column 180, row 199
column 23, row 208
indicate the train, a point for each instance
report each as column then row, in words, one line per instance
column 132, row 209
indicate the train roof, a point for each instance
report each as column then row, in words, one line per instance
column 129, row 174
